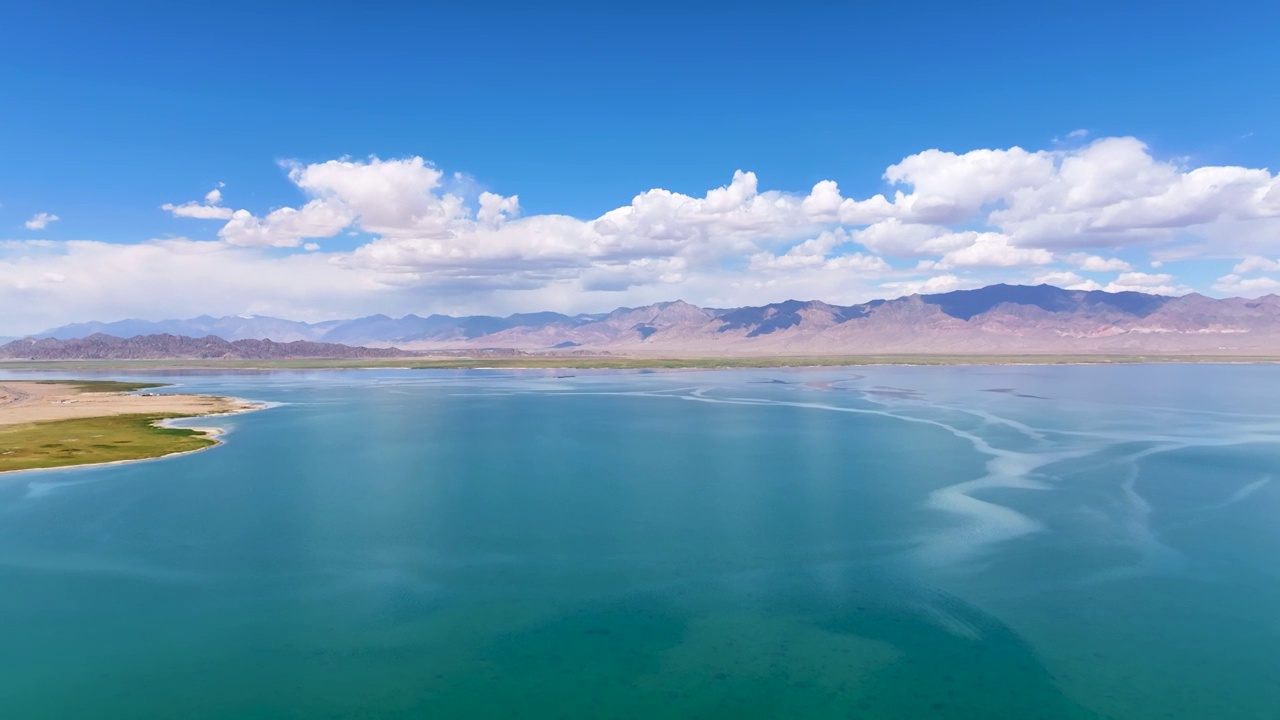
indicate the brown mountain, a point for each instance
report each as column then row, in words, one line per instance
column 1004, row 319
column 164, row 347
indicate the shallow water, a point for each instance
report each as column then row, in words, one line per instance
column 967, row 542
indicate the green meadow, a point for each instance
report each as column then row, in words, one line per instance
column 84, row 441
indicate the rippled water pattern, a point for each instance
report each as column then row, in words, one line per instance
column 963, row 542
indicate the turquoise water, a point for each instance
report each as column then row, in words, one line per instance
column 1019, row 542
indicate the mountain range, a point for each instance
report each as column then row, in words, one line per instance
column 100, row 346
column 993, row 319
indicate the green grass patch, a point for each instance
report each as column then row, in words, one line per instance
column 86, row 441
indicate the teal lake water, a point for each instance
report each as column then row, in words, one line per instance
column 966, row 542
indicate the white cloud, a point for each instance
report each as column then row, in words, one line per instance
column 935, row 284
column 729, row 216
column 624, row 276
column 1141, row 278
column 950, row 188
column 1113, row 192
column 810, row 253
column 286, row 227
column 817, row 268
column 56, row 283
column 899, row 239
column 1094, row 263
column 1066, row 279
column 414, row 237
column 991, row 250
column 198, row 211
column 1156, row 284
column 823, row 202
column 734, row 221
column 210, row 210
column 495, row 208
column 858, row 263
column 395, row 198
column 1233, row 284
column 1255, row 263
column 1078, row 134
column 40, row 221
column 1110, row 192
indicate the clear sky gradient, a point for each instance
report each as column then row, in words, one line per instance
column 110, row 111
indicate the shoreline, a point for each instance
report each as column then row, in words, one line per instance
column 633, row 362
column 213, row 434
column 38, row 416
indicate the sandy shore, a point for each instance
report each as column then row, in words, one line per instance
column 30, row 402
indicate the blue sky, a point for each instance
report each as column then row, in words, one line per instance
column 112, row 111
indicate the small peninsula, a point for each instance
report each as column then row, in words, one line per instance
column 64, row 423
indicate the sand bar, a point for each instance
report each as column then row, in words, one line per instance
column 48, row 425
column 24, row 402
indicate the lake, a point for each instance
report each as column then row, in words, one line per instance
column 873, row 542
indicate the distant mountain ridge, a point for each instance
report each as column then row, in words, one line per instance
column 167, row 347
column 365, row 330
column 993, row 319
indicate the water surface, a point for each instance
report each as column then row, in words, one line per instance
column 966, row 542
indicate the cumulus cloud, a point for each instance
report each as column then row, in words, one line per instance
column 1108, row 193
column 896, row 238
column 950, row 188
column 286, row 227
column 1094, row 263
column 734, row 221
column 1066, row 279
column 1233, row 284
column 1255, row 263
column 495, row 208
column 1153, row 283
column 210, row 209
column 395, row 198
column 991, row 250
column 1141, row 278
column 935, row 284
column 40, row 221
column 199, row 211
column 1113, row 192
column 409, row 236
column 810, row 253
